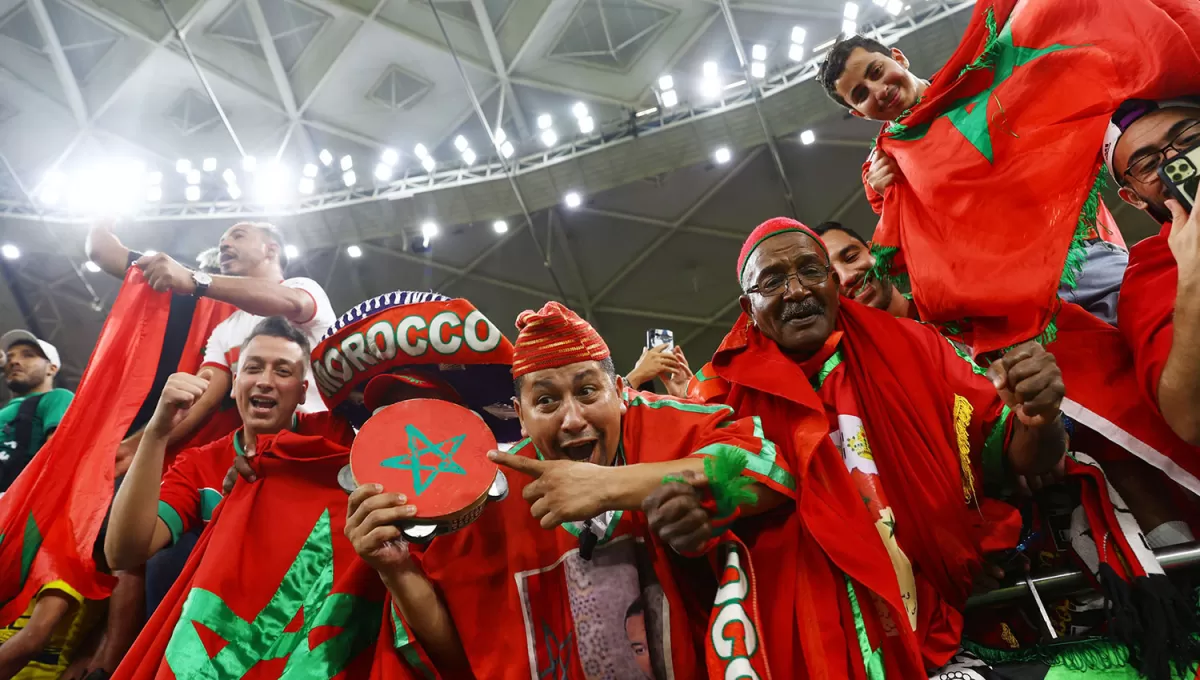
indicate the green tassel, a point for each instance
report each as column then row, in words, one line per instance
column 986, row 58
column 1076, row 254
column 1090, row 654
column 726, row 482
column 884, row 257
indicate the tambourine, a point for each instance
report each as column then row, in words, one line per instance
column 433, row 452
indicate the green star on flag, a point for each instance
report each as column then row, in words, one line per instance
column 970, row 115
column 419, row 446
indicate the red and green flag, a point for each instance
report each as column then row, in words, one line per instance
column 1000, row 157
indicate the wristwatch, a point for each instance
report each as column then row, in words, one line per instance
column 202, row 281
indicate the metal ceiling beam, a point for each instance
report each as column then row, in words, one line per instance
column 58, row 58
column 533, row 31
column 572, row 92
column 666, row 224
column 274, row 63
column 670, row 231
column 481, row 257
column 554, row 225
column 337, row 59
column 493, row 47
column 783, row 10
column 499, row 283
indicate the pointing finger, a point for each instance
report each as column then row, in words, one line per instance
column 528, row 466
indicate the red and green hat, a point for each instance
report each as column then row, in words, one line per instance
column 553, row 337
column 773, row 227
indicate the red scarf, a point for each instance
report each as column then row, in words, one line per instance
column 74, row 469
column 985, row 233
column 1147, row 308
column 910, row 427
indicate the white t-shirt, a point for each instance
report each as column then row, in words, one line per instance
column 226, row 340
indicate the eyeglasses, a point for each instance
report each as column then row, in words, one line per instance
column 809, row 275
column 1145, row 168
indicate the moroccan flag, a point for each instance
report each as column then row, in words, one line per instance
column 51, row 515
column 1001, row 160
column 273, row 587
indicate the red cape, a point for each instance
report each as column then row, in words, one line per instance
column 1147, row 308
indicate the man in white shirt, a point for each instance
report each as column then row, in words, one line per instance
column 252, row 262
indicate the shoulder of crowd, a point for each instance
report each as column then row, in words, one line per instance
column 650, row 402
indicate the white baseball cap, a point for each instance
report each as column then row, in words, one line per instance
column 13, row 337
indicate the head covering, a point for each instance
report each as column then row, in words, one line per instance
column 1130, row 112
column 379, row 386
column 773, row 227
column 552, row 337
column 13, row 337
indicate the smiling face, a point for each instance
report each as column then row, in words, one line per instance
column 245, row 249
column 797, row 318
column 852, row 259
column 878, row 86
column 270, row 383
column 1144, row 139
column 573, row 412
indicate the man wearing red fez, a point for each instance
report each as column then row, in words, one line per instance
column 890, row 437
column 564, row 578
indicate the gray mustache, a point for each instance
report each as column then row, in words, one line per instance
column 809, row 307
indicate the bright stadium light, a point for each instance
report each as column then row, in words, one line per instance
column 182, row 166
column 895, row 7
column 428, row 163
column 572, row 199
column 758, row 69
column 506, row 149
column 580, row 110
column 291, row 251
column 9, row 251
column 429, row 231
column 500, row 226
column 307, row 185
column 209, row 164
column 273, row 185
column 325, row 157
column 354, row 251
column 461, row 143
column 807, row 137
column 722, row 155
column 383, row 172
column 193, row 177
column 310, row 170
column 587, row 125
column 758, row 52
column 544, row 121
column 468, row 156
column 154, row 178
column 549, row 137
column 849, row 27
column 91, row 267
column 229, row 176
column 799, row 34
column 234, row 191
column 666, row 82
column 389, row 157
column 347, row 162
column 249, row 163
column 851, row 11
column 796, row 52
column 192, row 193
column 420, row 151
column 710, row 82
column 154, row 194
column 670, row 98
column 349, row 178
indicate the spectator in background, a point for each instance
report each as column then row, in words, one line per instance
column 852, row 260
column 666, row 363
column 1160, row 304
column 37, row 407
column 252, row 261
column 43, row 641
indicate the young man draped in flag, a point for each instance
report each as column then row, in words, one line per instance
column 851, row 258
column 517, row 593
column 891, row 436
column 1160, row 301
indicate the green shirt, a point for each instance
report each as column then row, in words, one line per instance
column 50, row 411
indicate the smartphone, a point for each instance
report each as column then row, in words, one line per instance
column 660, row 336
column 1182, row 177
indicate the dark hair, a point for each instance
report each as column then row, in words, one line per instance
column 835, row 62
column 635, row 608
column 826, row 227
column 273, row 235
column 280, row 327
column 606, row 365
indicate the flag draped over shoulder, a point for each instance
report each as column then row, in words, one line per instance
column 273, row 588
column 51, row 515
column 1001, row 161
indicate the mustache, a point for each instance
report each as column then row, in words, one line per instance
column 810, row 306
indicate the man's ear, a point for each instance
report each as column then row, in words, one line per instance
column 900, row 58
column 1130, row 196
column 744, row 303
column 303, row 393
column 51, row 370
column 517, row 407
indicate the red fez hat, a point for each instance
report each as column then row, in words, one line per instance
column 379, row 386
column 552, row 337
column 773, row 227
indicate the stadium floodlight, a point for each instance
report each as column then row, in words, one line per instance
column 349, row 178
column 91, row 267
column 461, row 143
column 587, row 125
column 310, row 170
column 307, row 185
column 383, row 172
column 183, row 166
column 572, row 199
column 347, row 162
column 670, row 98
column 9, row 251
column 544, row 121
column 722, row 155
column 758, row 52
column 549, row 137
column 154, row 178
column 796, row 52
column 354, row 251
column 325, row 157
column 428, row 163
column 666, row 82
column 808, row 137
column 192, row 192
column 580, row 110
column 229, row 176
column 291, row 251
column 758, row 69
column 507, row 149
column 420, row 151
column 851, row 11
column 468, row 156
column 154, row 194
column 500, row 226
column 209, row 164
column 389, row 156
column 193, row 177
column 250, row 163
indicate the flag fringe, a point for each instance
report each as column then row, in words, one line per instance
column 1089, row 654
column 1088, row 216
column 728, row 485
column 986, row 58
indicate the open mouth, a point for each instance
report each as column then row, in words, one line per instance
column 262, row 405
column 227, row 258
column 581, row 450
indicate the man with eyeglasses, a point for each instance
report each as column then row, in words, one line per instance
column 890, row 436
column 1159, row 311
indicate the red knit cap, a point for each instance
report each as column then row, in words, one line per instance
column 773, row 227
column 553, row 337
